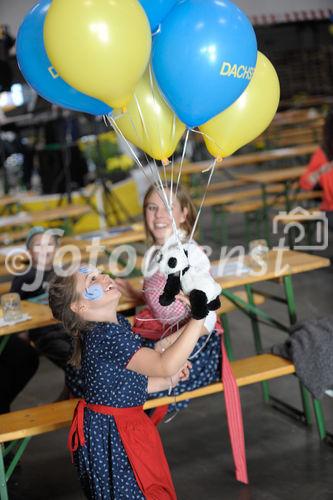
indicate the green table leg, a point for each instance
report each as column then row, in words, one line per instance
column 214, row 222
column 265, row 215
column 289, row 292
column 258, row 225
column 3, row 343
column 227, row 338
column 257, row 339
column 224, row 228
column 248, row 237
column 3, row 482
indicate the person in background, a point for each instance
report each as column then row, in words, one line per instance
column 319, row 173
column 18, row 364
column 51, row 341
column 156, row 321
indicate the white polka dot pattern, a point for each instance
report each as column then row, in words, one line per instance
column 104, row 470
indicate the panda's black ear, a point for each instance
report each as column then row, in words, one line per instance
column 172, row 262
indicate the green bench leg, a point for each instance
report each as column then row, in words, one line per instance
column 257, row 339
column 3, row 482
column 5, row 475
column 227, row 338
column 319, row 414
column 317, row 407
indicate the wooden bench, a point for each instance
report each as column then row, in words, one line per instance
column 10, row 237
column 24, row 424
column 278, row 202
column 224, row 199
column 256, row 158
column 302, row 217
column 218, row 186
column 73, row 212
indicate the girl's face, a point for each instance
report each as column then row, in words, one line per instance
column 98, row 295
column 42, row 249
column 158, row 219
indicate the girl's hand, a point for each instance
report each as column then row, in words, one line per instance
column 183, row 374
column 183, row 298
column 185, row 371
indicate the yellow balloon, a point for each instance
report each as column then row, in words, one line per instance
column 149, row 122
column 99, row 47
column 247, row 117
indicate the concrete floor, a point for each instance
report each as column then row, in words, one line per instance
column 286, row 461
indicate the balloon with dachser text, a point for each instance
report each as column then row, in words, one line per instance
column 204, row 58
column 248, row 117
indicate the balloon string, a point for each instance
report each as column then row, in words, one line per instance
column 154, row 173
column 203, row 198
column 156, row 107
column 198, row 351
column 182, row 160
column 136, row 159
column 209, row 138
column 136, row 132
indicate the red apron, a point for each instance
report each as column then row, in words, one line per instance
column 153, row 330
column 144, row 450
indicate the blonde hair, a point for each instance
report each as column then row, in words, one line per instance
column 185, row 202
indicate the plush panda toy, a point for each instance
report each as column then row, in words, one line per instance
column 188, row 269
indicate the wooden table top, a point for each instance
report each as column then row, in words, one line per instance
column 8, row 200
column 249, row 159
column 40, row 316
column 279, row 264
column 135, row 234
column 272, row 176
column 31, row 218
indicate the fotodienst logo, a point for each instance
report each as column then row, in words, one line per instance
column 301, row 229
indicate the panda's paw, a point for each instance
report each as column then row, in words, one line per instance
column 166, row 300
column 215, row 304
column 198, row 300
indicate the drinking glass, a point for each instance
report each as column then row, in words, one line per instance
column 258, row 251
column 11, row 306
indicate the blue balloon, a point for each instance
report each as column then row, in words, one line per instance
column 37, row 68
column 204, row 58
column 156, row 11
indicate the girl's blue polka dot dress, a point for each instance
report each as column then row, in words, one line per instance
column 104, row 470
column 206, row 368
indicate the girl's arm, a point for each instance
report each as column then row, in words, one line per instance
column 154, row 364
column 207, row 328
column 165, row 343
column 156, row 384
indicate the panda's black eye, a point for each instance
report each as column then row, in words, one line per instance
column 172, row 262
